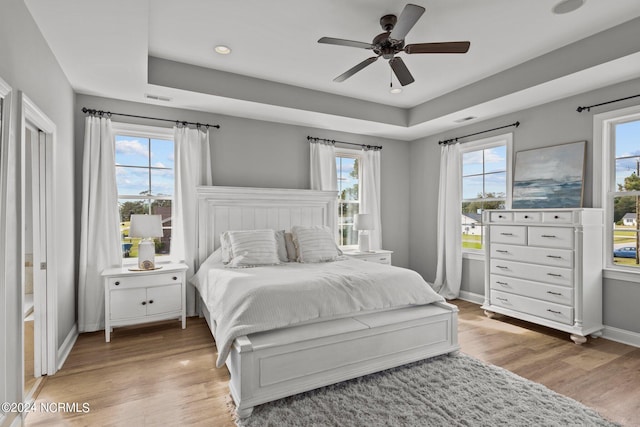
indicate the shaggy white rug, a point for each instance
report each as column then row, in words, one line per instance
column 443, row 391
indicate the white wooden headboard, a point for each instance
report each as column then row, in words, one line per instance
column 244, row 208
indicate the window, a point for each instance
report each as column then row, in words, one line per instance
column 486, row 184
column 348, row 171
column 617, row 137
column 145, row 180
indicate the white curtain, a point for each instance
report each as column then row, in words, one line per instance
column 100, row 245
column 370, row 194
column 449, row 238
column 323, row 167
column 192, row 168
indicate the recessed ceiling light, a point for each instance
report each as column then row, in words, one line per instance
column 395, row 90
column 566, row 6
column 222, row 49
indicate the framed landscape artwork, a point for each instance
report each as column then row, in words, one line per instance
column 549, row 177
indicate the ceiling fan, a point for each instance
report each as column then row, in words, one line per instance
column 391, row 42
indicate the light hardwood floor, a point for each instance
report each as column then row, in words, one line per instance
column 162, row 375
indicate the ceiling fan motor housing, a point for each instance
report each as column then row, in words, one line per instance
column 387, row 22
column 386, row 46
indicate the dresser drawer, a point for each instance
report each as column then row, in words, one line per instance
column 144, row 280
column 528, row 288
column 551, row 237
column 501, row 217
column 513, row 234
column 558, row 217
column 546, row 256
column 528, row 217
column 539, row 273
column 548, row 310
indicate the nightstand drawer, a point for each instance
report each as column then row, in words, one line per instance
column 379, row 258
column 143, row 280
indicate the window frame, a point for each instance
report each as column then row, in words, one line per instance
column 604, row 181
column 506, row 140
column 353, row 154
column 149, row 132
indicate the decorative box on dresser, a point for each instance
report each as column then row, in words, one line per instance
column 545, row 266
column 381, row 256
column 133, row 297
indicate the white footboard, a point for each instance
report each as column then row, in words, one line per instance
column 270, row 365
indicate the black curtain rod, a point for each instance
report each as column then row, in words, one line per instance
column 333, row 141
column 589, row 107
column 177, row 122
column 449, row 141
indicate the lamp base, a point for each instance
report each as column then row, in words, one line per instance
column 363, row 242
column 146, row 255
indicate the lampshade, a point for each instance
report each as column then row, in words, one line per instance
column 146, row 226
column 363, row 222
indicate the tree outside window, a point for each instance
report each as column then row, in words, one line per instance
column 348, row 171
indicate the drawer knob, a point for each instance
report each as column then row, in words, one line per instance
column 553, row 311
column 502, row 251
column 150, row 301
column 550, row 236
column 144, row 303
column 502, row 283
column 504, row 268
column 554, row 275
column 507, row 234
column 526, row 217
column 554, row 256
column 117, row 283
column 175, row 278
column 500, row 216
column 502, row 299
column 556, row 217
column 554, row 293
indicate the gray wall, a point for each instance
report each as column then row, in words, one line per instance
column 254, row 153
column 545, row 125
column 28, row 65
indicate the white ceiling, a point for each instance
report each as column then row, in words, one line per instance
column 103, row 48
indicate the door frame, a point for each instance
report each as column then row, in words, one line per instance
column 46, row 308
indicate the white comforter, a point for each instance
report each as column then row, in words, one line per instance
column 249, row 300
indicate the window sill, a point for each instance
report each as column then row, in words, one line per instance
column 624, row 275
column 476, row 256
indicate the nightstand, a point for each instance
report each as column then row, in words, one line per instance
column 133, row 297
column 380, row 256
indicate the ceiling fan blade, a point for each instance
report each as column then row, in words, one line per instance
column 407, row 19
column 401, row 71
column 342, row 42
column 344, row 76
column 444, row 47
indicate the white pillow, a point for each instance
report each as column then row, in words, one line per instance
column 315, row 243
column 227, row 255
column 251, row 248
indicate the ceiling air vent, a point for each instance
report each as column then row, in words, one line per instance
column 157, row 97
column 465, row 119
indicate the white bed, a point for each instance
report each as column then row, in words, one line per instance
column 271, row 364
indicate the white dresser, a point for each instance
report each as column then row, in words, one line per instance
column 545, row 266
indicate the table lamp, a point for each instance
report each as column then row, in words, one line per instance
column 147, row 227
column 363, row 223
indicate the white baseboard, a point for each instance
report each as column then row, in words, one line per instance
column 621, row 335
column 471, row 297
column 609, row 332
column 67, row 345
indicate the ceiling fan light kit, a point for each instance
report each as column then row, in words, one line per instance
column 566, row 6
column 390, row 43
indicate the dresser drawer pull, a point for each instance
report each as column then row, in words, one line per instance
column 506, row 234
column 549, row 236
column 500, row 216
column 502, row 299
column 554, row 293
column 175, row 278
column 144, row 303
column 502, row 251
column 502, row 283
column 553, row 311
column 526, row 217
column 382, row 259
column 554, row 275
column 502, row 267
column 117, row 283
column 554, row 256
column 150, row 301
